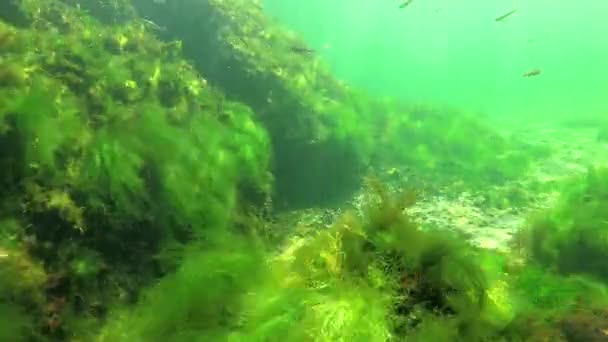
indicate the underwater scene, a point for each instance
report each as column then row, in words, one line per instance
column 247, row 170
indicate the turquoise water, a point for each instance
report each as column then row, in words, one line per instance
column 455, row 53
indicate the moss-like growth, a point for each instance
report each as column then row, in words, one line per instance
column 416, row 278
column 370, row 278
column 202, row 301
column 556, row 308
column 108, row 11
column 437, row 144
column 561, row 295
column 22, row 301
column 571, row 237
column 115, row 153
column 14, row 324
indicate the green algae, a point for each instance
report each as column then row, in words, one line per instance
column 117, row 148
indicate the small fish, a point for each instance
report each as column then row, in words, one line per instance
column 531, row 73
column 153, row 25
column 506, row 15
column 405, row 4
column 302, row 50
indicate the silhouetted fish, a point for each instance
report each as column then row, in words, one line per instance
column 531, row 73
column 406, row 3
column 302, row 50
column 506, row 15
column 153, row 25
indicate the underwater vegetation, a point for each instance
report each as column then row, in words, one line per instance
column 138, row 191
column 438, row 143
column 416, row 284
column 22, row 279
column 114, row 153
column 316, row 157
column 571, row 238
column 564, row 285
column 201, row 301
column 551, row 307
column 370, row 278
column 325, row 135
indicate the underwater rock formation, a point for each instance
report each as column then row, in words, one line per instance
column 301, row 105
column 324, row 135
column 115, row 154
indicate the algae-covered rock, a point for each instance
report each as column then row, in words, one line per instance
column 325, row 135
column 119, row 154
column 233, row 43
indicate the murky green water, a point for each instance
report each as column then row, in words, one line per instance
column 455, row 52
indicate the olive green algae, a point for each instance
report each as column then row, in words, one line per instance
column 115, row 153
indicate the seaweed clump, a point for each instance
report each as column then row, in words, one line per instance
column 376, row 277
column 201, row 301
column 571, row 237
column 555, row 307
column 21, row 290
column 371, row 278
column 561, row 294
column 436, row 144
